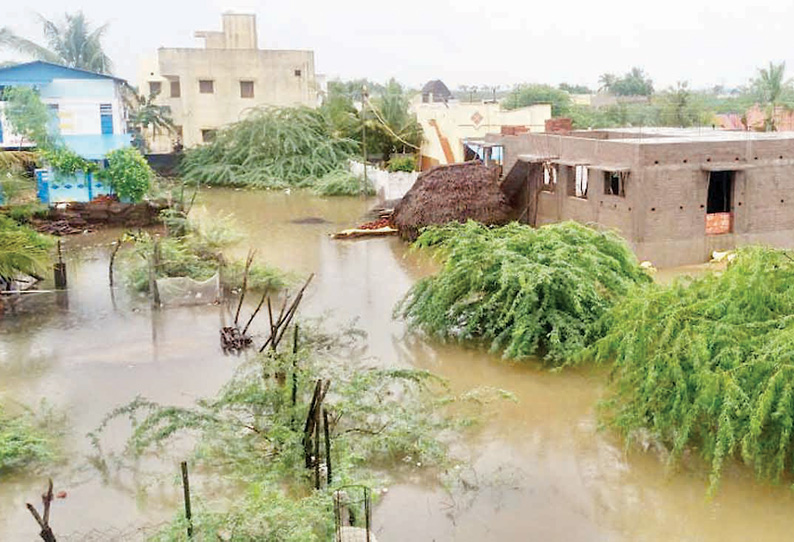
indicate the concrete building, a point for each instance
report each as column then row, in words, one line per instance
column 449, row 124
column 87, row 108
column 676, row 195
column 210, row 87
column 88, row 116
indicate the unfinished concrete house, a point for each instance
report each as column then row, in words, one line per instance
column 676, row 195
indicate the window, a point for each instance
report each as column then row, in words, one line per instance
column 176, row 89
column 577, row 182
column 207, row 135
column 549, row 177
column 246, row 89
column 615, row 183
column 106, row 118
column 719, row 218
column 155, row 87
column 298, row 73
column 206, row 86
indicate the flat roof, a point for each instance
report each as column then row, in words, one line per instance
column 660, row 135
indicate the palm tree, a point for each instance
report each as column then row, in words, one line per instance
column 606, row 81
column 145, row 114
column 770, row 86
column 72, row 42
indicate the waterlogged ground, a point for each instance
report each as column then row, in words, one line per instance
column 541, row 469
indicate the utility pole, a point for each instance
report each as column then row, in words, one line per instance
column 364, row 100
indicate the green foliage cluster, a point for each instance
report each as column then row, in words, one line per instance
column 196, row 250
column 634, row 83
column 25, row 442
column 251, row 435
column 270, row 148
column 26, row 114
column 22, row 249
column 66, row 161
column 342, row 183
column 706, row 363
column 128, row 173
column 402, row 163
column 526, row 95
column 521, row 290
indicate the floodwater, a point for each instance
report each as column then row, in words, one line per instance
column 540, row 467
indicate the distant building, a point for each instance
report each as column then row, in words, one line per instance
column 210, row 87
column 88, row 116
column 676, row 195
column 453, row 128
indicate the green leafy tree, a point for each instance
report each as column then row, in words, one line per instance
column 526, row 95
column 574, row 89
column 22, row 250
column 634, row 83
column 607, row 82
column 27, row 114
column 770, row 88
column 144, row 114
column 681, row 107
column 395, row 128
column 71, row 42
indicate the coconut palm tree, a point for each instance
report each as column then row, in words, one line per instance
column 71, row 42
column 770, row 86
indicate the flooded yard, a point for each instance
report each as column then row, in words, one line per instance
column 540, row 468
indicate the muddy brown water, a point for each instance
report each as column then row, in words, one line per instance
column 540, row 469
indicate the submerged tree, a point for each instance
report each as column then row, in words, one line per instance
column 71, row 42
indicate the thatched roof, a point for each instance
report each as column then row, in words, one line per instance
column 457, row 192
column 436, row 91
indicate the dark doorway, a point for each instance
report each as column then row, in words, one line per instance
column 720, row 191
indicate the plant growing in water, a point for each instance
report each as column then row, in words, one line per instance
column 520, row 290
column 706, row 364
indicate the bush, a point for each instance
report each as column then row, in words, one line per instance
column 66, row 161
column 128, row 173
column 342, row 183
column 22, row 250
column 23, row 442
column 402, row 163
column 706, row 364
column 521, row 290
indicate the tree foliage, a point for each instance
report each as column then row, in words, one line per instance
column 526, row 95
column 270, row 148
column 71, row 42
column 520, row 290
column 634, row 83
column 128, row 173
column 706, row 363
column 25, row 441
column 772, row 90
column 22, row 250
column 27, row 114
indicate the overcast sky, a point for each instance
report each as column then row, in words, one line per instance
column 469, row 42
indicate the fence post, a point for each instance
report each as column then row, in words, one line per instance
column 186, row 489
column 327, row 446
column 59, row 270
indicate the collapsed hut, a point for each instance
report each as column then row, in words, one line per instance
column 453, row 193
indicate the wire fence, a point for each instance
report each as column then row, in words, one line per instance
column 130, row 533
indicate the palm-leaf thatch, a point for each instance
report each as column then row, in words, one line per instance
column 454, row 193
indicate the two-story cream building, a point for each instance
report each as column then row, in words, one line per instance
column 210, row 87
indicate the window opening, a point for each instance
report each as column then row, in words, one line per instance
column 106, row 118
column 246, row 89
column 155, row 87
column 719, row 218
column 176, row 89
column 615, row 183
column 206, row 86
column 549, row 177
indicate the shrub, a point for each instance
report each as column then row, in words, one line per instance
column 24, row 442
column 402, row 163
column 66, row 161
column 522, row 291
column 706, row 364
column 22, row 250
column 342, row 183
column 129, row 174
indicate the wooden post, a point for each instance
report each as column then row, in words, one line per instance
column 317, row 448
column 154, row 263
column 295, row 367
column 186, row 490
column 327, row 447
column 308, row 428
column 113, row 259
column 59, row 270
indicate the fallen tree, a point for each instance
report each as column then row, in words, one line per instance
column 519, row 290
column 706, row 364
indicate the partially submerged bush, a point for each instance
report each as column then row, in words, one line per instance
column 24, row 442
column 343, row 183
column 520, row 290
column 402, row 163
column 706, row 364
column 22, row 250
column 270, row 148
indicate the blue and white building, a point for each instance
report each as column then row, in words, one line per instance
column 88, row 116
